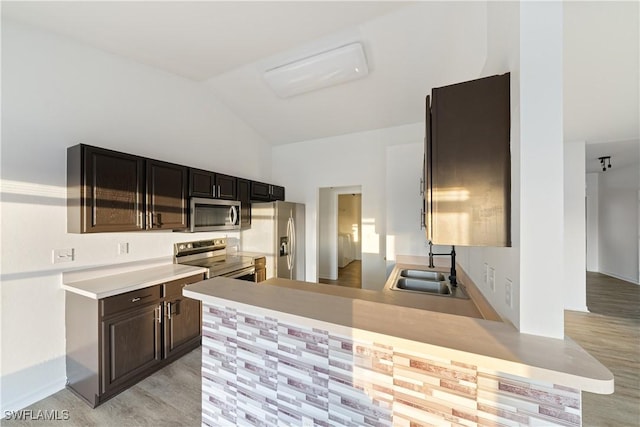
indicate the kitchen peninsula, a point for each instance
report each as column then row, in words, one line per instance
column 310, row 354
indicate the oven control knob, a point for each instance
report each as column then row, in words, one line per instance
column 181, row 247
column 189, row 245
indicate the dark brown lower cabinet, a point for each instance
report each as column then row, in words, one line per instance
column 114, row 342
column 131, row 345
column 261, row 269
column 183, row 318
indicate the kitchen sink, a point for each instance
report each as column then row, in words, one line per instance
column 426, row 282
column 435, row 276
column 440, row 288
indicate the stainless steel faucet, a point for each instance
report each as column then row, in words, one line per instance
column 452, row 273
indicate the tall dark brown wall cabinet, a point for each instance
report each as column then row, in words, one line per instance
column 468, row 163
column 244, row 196
column 167, row 202
column 105, row 190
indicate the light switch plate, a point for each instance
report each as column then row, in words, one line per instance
column 485, row 275
column 492, row 278
column 123, row 248
column 63, row 255
column 508, row 292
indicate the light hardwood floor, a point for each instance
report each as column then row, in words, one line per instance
column 171, row 396
column 349, row 276
column 611, row 333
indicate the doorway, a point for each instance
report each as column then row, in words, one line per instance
column 340, row 236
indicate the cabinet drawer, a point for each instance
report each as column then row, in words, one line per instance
column 129, row 300
column 174, row 288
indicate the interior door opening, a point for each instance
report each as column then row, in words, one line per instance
column 340, row 236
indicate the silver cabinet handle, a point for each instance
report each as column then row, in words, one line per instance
column 158, row 311
column 136, row 299
column 169, row 310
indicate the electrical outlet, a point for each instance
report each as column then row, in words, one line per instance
column 63, row 255
column 492, row 278
column 508, row 292
column 123, row 248
column 485, row 275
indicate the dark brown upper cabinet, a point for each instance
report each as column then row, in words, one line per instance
column 211, row 185
column 201, row 183
column 105, row 190
column 109, row 191
column 277, row 192
column 226, row 187
column 244, row 196
column 167, row 202
column 468, row 163
column 262, row 192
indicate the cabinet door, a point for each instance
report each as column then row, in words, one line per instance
column 201, row 183
column 183, row 320
column 167, row 203
column 131, row 345
column 470, row 159
column 112, row 191
column 261, row 275
column 226, row 186
column 243, row 196
column 261, row 269
column 260, row 192
column 277, row 192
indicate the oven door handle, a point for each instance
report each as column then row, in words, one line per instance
column 240, row 273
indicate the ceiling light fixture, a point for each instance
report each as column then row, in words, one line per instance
column 325, row 69
column 605, row 162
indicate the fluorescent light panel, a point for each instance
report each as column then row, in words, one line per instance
column 319, row 71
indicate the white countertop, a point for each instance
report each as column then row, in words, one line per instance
column 114, row 284
column 494, row 345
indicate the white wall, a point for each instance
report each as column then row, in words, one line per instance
column 541, row 169
column 404, row 201
column 575, row 286
column 327, row 251
column 593, row 262
column 354, row 159
column 618, row 222
column 57, row 93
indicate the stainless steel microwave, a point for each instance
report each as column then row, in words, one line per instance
column 214, row 215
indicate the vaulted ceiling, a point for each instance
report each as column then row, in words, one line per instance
column 410, row 46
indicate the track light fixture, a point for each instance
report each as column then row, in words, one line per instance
column 605, row 162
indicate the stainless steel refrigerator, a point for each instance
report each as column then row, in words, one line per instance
column 277, row 230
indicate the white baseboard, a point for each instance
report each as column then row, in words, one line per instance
column 616, row 276
column 28, row 386
column 581, row 309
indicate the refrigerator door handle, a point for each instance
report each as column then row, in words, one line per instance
column 293, row 243
column 289, row 242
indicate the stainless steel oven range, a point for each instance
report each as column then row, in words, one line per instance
column 212, row 254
